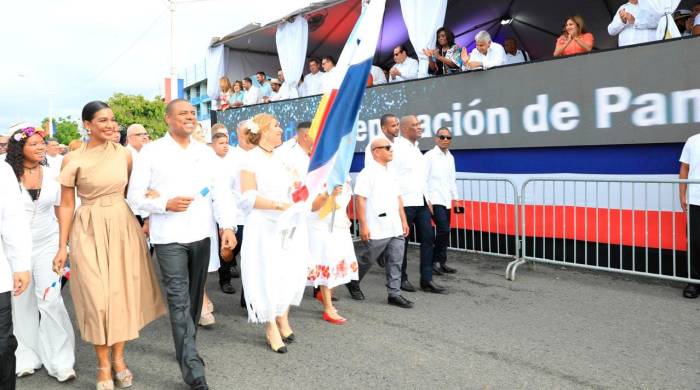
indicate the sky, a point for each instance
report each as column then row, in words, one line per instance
column 65, row 53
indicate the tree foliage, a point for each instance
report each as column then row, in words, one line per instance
column 65, row 129
column 130, row 109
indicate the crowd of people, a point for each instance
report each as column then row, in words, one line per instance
column 631, row 24
column 103, row 215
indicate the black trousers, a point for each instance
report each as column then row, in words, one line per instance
column 441, row 217
column 694, row 222
column 8, row 343
column 225, row 268
column 184, row 271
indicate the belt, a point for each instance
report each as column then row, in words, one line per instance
column 103, row 201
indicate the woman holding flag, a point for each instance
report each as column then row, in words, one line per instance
column 275, row 249
column 331, row 248
column 43, row 329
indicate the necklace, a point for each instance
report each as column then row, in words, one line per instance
column 30, row 169
column 268, row 151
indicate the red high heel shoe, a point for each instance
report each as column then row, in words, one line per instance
column 334, row 321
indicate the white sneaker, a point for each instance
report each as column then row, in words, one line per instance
column 66, row 376
column 25, row 372
column 207, row 320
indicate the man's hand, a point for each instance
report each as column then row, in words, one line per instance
column 228, row 239
column 146, row 227
column 474, row 65
column 464, row 55
column 21, row 281
column 393, row 72
column 684, row 202
column 404, row 227
column 179, row 204
column 364, row 233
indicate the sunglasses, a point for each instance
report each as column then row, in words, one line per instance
column 444, row 137
column 385, row 147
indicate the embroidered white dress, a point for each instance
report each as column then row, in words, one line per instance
column 273, row 261
column 332, row 252
column 42, row 327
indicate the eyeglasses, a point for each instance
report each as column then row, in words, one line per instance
column 141, row 134
column 4, row 144
column 444, row 137
column 385, row 147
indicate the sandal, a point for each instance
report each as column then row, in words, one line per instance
column 105, row 385
column 123, row 378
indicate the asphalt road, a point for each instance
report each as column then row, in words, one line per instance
column 552, row 328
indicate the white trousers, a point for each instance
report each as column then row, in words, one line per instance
column 42, row 327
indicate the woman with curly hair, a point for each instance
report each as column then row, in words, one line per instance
column 445, row 58
column 45, row 334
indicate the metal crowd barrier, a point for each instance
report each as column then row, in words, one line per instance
column 631, row 227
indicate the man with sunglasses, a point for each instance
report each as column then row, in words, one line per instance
column 441, row 189
column 405, row 67
column 383, row 226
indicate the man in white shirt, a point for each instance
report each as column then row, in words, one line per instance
column 441, row 189
column 695, row 19
column 275, row 84
column 296, row 152
column 252, row 93
column 15, row 263
column 409, row 167
column 53, row 153
column 513, row 54
column 486, row 55
column 378, row 76
column 405, row 67
column 287, row 90
column 231, row 169
column 633, row 24
column 265, row 87
column 183, row 173
column 690, row 202
column 136, row 137
column 313, row 81
column 383, row 226
column 390, row 131
column 328, row 64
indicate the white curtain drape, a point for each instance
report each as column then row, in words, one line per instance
column 216, row 69
column 667, row 28
column 422, row 19
column 292, row 40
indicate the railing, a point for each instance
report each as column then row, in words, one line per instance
column 634, row 227
column 625, row 226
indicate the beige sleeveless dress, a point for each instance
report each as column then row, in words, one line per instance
column 112, row 283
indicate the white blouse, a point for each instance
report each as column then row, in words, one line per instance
column 41, row 214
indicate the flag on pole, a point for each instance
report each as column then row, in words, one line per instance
column 174, row 89
column 334, row 127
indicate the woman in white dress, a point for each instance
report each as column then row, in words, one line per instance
column 332, row 251
column 43, row 329
column 273, row 256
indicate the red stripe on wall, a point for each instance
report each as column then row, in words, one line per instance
column 653, row 229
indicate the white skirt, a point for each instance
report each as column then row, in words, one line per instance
column 332, row 256
column 273, row 267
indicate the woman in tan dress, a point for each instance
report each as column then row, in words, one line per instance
column 114, row 289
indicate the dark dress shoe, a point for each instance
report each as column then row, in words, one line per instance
column 431, row 287
column 400, row 302
column 227, row 288
column 691, row 291
column 199, row 384
column 436, row 269
column 407, row 286
column 447, row 270
column 355, row 292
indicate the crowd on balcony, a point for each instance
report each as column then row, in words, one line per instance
column 631, row 24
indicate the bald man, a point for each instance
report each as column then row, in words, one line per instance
column 383, row 226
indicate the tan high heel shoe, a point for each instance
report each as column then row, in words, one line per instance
column 105, row 385
column 123, row 378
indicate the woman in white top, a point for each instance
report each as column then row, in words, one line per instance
column 273, row 255
column 44, row 332
column 331, row 247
